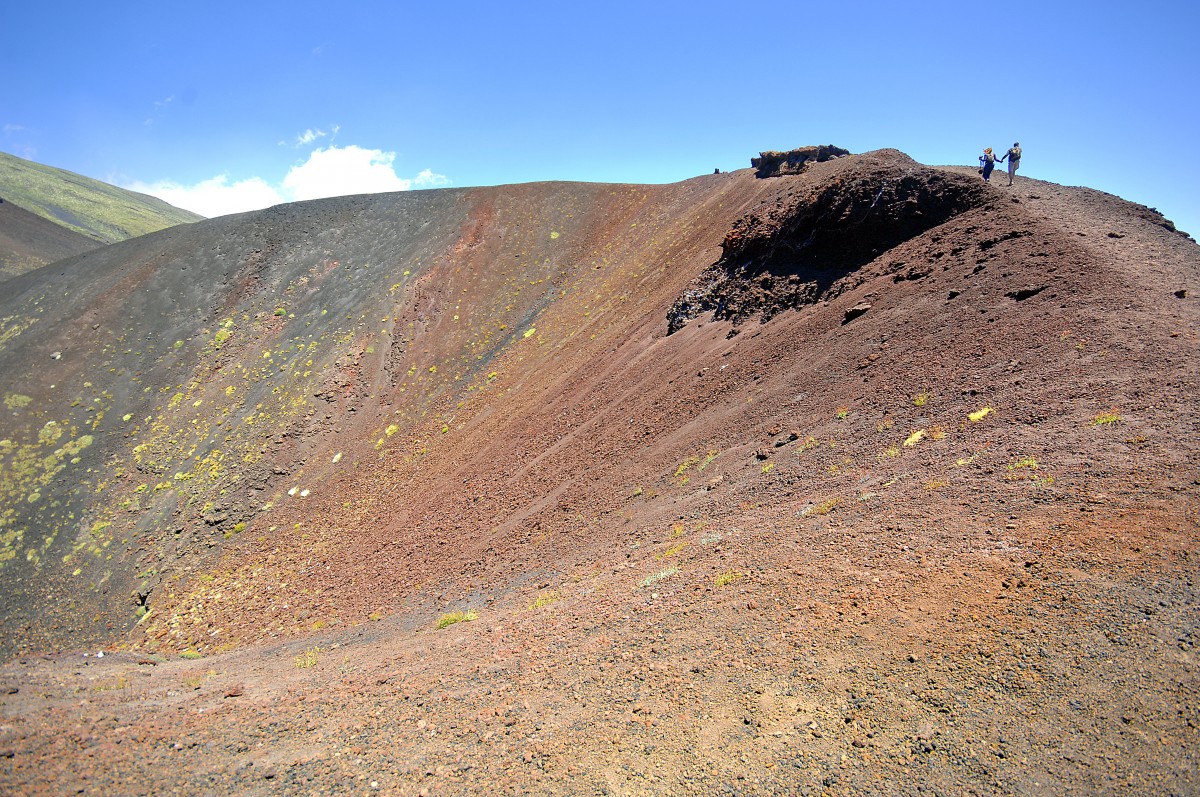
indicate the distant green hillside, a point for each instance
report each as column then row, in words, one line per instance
column 95, row 209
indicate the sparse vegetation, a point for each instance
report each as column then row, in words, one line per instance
column 119, row 682
column 457, row 617
column 979, row 414
column 16, row 401
column 544, row 599
column 308, row 658
column 727, row 578
column 95, row 209
column 823, row 508
column 661, row 575
column 1107, row 418
column 669, row 552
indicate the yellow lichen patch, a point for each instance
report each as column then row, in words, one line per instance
column 10, row 539
column 50, row 433
column 544, row 599
column 727, row 578
column 26, row 470
column 823, row 508
column 914, row 438
column 16, row 401
column 672, row 551
column 980, row 414
column 11, row 327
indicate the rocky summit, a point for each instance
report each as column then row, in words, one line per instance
column 859, row 477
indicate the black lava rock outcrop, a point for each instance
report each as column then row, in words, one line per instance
column 773, row 164
column 792, row 255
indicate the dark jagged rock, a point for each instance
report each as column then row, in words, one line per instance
column 773, row 164
column 793, row 254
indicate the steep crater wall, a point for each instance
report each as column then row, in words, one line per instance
column 791, row 255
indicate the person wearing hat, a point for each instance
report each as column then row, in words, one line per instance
column 988, row 162
column 1014, row 160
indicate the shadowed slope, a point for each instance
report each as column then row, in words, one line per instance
column 28, row 241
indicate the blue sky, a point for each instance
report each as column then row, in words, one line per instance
column 225, row 105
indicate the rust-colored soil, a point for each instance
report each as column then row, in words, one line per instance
column 928, row 528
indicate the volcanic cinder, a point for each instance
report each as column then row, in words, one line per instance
column 869, row 479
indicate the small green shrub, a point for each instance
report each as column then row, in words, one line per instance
column 659, row 576
column 544, row 599
column 674, row 549
column 725, row 579
column 457, row 617
column 308, row 658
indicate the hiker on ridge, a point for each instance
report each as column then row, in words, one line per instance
column 987, row 162
column 1014, row 160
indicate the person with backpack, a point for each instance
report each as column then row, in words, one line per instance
column 1014, row 160
column 987, row 162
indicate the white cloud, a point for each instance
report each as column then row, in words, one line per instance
column 427, row 179
column 308, row 137
column 215, row 196
column 338, row 171
column 329, row 171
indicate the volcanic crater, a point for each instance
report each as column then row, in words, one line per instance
column 870, row 478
